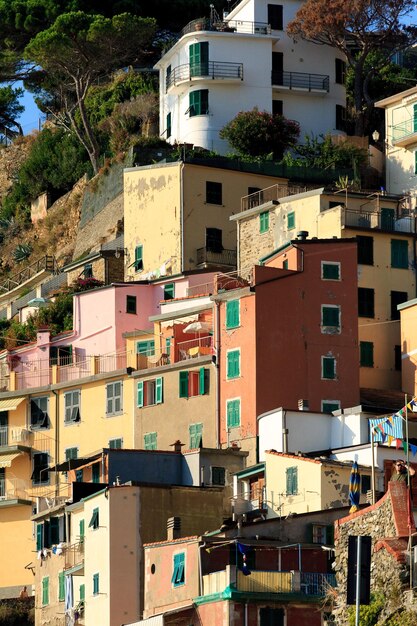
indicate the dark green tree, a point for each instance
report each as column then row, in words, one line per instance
column 10, row 109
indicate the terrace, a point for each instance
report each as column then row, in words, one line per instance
column 300, row 81
column 14, row 491
column 213, row 70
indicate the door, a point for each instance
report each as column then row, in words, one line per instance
column 277, row 68
column 199, row 55
column 4, row 439
column 2, row 483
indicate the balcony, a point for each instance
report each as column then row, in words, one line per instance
column 14, row 491
column 404, row 134
column 402, row 223
column 270, row 195
column 299, row 81
column 211, row 70
column 29, row 275
column 207, row 256
column 14, row 436
column 305, row 585
column 202, row 346
column 74, row 559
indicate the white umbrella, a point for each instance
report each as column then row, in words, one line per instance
column 197, row 327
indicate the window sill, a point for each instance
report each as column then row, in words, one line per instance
column 114, row 414
column 330, row 330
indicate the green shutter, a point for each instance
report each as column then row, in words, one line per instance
column 45, row 591
column 232, row 313
column 331, row 316
column 140, row 393
column 329, row 367
column 291, row 220
column 54, row 529
column 178, row 575
column 202, row 381
column 39, row 536
column 82, row 529
column 196, row 435
column 169, row 128
column 150, row 441
column 183, row 392
column 330, row 534
column 331, row 271
column 387, row 219
column 61, row 586
column 233, row 364
column 199, row 59
column 233, row 413
column 366, row 349
column 96, row 473
column 138, row 258
column 292, row 480
column 82, row 593
column 96, row 584
column 158, row 390
column 399, row 253
column 198, row 101
column 263, row 221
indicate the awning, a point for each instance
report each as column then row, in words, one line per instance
column 6, row 459
column 73, row 464
column 10, row 404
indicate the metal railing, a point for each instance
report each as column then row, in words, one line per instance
column 205, row 289
column 225, row 257
column 404, row 129
column 13, row 435
column 209, row 69
column 270, row 194
column 316, row 584
column 201, row 346
column 13, row 489
column 230, row 26
column 74, row 555
column 46, row 263
column 301, row 80
column 404, row 223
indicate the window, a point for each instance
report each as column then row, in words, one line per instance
column 150, row 441
column 366, row 307
column 79, row 475
column 94, row 521
column 319, row 534
column 328, row 367
column 399, row 253
column 138, row 264
column 365, row 483
column 193, row 383
column 131, row 304
column 168, row 75
column 149, row 392
column 199, row 59
column 196, row 436
column 169, row 291
column 415, row 118
column 291, row 220
column 366, row 350
column 146, row 347
column 81, row 530
column 340, row 117
column 218, row 476
column 72, row 406
column 232, row 314
column 233, row 413
column 40, row 475
column 61, row 587
column 275, row 16
column 96, row 584
column 365, row 250
column 291, row 475
column 82, row 593
column 330, row 270
column 168, row 124
column 39, row 412
column 214, row 240
column 71, row 453
column 60, row 355
column 213, row 192
column 415, row 162
column 397, row 297
column 88, row 271
column 95, row 473
column 397, row 358
column 387, row 219
column 271, row 617
column 198, row 101
column 116, row 444
column 340, row 70
column 328, row 406
column 277, row 107
column 285, row 264
column 114, row 398
column 39, row 537
column 330, row 317
column 45, row 591
column 264, row 221
column 178, row 574
column 233, row 364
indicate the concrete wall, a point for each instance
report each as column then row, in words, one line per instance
column 409, row 348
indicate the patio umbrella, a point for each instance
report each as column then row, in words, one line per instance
column 354, row 488
column 197, row 327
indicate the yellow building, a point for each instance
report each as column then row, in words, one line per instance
column 408, row 312
column 176, row 217
column 386, row 233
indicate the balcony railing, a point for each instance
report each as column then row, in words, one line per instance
column 210, row 69
column 208, row 256
column 270, row 194
column 316, row 584
column 202, row 346
column 301, row 80
column 246, row 503
column 404, row 223
column 204, row 289
column 14, row 435
column 404, row 130
column 13, row 489
column 230, row 26
column 46, row 263
column 74, row 555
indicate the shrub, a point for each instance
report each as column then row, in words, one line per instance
column 260, row 134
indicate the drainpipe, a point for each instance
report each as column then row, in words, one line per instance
column 217, row 348
column 56, row 438
column 284, row 433
column 182, row 214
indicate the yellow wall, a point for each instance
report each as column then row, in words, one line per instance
column 409, row 348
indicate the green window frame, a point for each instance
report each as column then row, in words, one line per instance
column 146, row 347
column 116, row 444
column 96, row 584
column 415, row 118
column 138, row 264
column 330, row 316
column 149, row 392
column 330, row 270
column 45, row 591
column 233, row 364
column 114, row 398
column 291, row 479
column 198, row 102
column 233, row 413
column 61, row 587
column 169, row 125
column 178, row 573
column 169, row 291
column 95, row 473
column 39, row 537
column 291, row 220
column 232, row 314
column 95, row 519
column 366, row 352
column 328, row 367
column 81, row 530
column 196, row 436
column 328, row 406
column 415, row 162
column 150, row 441
column 82, row 592
column 199, row 58
column 194, row 383
column 71, row 453
column 72, row 401
column 183, row 384
column 399, row 253
column 131, row 305
column 264, row 221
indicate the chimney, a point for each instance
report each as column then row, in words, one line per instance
column 177, row 445
column 173, row 528
column 302, row 235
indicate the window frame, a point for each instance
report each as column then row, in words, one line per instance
column 365, row 245
column 366, row 354
column 168, row 125
column 263, row 222
column 233, row 362
column 96, row 584
column 214, row 192
column 42, row 471
column 196, row 437
column 178, row 569
column 169, row 291
column 116, row 440
column 187, row 385
column 291, row 220
column 340, row 71
column 275, row 16
column 236, row 405
column 333, row 402
column 142, row 393
column 218, row 475
column 232, row 317
column 45, row 590
column 131, row 304
column 291, row 480
column 73, row 409
column 138, row 262
column 42, row 422
column 113, row 399
column 198, row 101
column 328, row 265
column 325, row 358
column 395, row 301
column 94, row 522
column 327, row 307
column 150, row 441
column 399, row 260
column 366, row 302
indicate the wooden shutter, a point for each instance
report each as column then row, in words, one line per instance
column 140, row 394
column 158, row 390
column 183, row 379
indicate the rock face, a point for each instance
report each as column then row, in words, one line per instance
column 11, row 158
column 385, row 522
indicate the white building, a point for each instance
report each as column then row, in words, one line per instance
column 401, row 142
column 219, row 67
